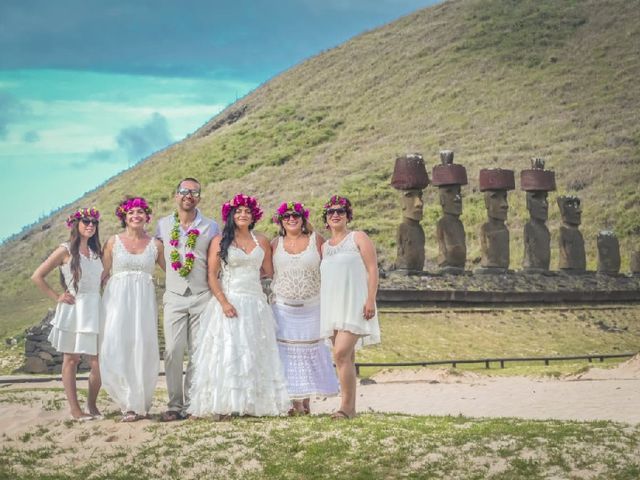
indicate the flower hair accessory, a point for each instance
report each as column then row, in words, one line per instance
column 129, row 203
column 336, row 200
column 81, row 213
column 290, row 207
column 241, row 200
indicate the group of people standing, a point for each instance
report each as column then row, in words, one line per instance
column 245, row 356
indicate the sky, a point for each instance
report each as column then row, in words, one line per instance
column 88, row 88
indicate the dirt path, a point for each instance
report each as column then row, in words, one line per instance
column 599, row 394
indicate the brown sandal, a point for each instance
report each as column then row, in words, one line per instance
column 340, row 415
column 170, row 416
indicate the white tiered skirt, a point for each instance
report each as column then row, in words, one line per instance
column 304, row 354
column 237, row 366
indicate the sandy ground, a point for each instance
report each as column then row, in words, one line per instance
column 599, row 394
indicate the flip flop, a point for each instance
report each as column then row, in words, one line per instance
column 83, row 418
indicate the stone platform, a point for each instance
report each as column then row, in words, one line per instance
column 516, row 287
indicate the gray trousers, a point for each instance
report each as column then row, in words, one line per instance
column 181, row 323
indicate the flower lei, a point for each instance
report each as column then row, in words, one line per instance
column 183, row 269
column 290, row 207
column 129, row 203
column 241, row 200
column 81, row 213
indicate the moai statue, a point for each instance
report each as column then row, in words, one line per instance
column 537, row 182
column 410, row 177
column 608, row 253
column 494, row 235
column 572, row 255
column 449, row 178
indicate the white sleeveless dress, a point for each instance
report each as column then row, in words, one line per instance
column 75, row 328
column 303, row 352
column 343, row 292
column 129, row 356
column 237, row 366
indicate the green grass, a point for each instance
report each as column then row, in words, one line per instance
column 497, row 81
column 371, row 446
column 427, row 334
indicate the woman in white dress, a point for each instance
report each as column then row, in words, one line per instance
column 76, row 323
column 130, row 359
column 237, row 366
column 349, row 282
column 296, row 288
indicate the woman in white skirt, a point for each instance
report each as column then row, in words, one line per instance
column 129, row 355
column 296, row 288
column 76, row 323
column 237, row 367
column 349, row 282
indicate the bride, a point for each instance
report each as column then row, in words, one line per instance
column 237, row 364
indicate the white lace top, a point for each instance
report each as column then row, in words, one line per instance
column 296, row 276
column 123, row 261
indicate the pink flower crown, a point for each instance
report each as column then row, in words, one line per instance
column 81, row 213
column 290, row 207
column 336, row 200
column 241, row 200
column 135, row 202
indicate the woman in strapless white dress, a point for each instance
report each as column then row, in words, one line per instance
column 76, row 324
column 348, row 286
column 237, row 366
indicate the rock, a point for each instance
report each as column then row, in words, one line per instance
column 45, row 356
column 34, row 365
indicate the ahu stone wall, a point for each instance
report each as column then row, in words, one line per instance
column 40, row 356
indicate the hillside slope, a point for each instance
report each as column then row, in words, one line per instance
column 497, row 81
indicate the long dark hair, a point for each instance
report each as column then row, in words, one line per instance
column 229, row 233
column 74, row 251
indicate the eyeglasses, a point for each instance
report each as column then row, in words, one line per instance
column 288, row 215
column 89, row 221
column 334, row 211
column 185, row 191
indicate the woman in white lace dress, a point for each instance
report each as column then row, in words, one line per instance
column 129, row 357
column 349, row 282
column 76, row 323
column 237, row 366
column 296, row 288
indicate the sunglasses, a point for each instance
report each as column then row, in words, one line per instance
column 288, row 215
column 89, row 221
column 185, row 191
column 333, row 211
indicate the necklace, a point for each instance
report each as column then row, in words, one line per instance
column 183, row 269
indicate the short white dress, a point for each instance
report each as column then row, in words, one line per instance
column 75, row 328
column 237, row 365
column 343, row 292
column 303, row 352
column 129, row 356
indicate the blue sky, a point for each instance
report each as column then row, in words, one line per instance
column 90, row 87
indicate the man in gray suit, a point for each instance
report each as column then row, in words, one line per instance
column 186, row 235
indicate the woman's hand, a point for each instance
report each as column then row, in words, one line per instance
column 67, row 298
column 229, row 310
column 369, row 309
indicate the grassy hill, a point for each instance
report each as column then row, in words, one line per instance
column 497, row 81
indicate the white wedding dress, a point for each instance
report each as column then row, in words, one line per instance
column 129, row 356
column 237, row 365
